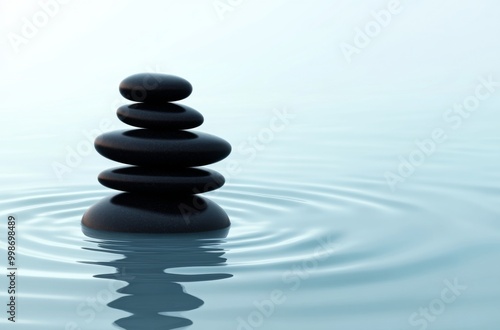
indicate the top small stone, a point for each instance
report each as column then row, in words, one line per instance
column 155, row 88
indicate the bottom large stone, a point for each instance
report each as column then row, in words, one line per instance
column 130, row 212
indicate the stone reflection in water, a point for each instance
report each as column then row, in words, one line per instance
column 153, row 294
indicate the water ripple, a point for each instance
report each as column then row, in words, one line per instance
column 283, row 232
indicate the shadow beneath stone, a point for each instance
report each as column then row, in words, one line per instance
column 153, row 294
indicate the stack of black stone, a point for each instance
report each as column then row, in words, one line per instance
column 161, row 186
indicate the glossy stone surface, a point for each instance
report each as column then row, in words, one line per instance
column 139, row 213
column 155, row 88
column 174, row 182
column 160, row 116
column 171, row 149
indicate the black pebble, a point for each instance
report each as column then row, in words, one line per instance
column 160, row 116
column 155, row 88
column 171, row 149
column 175, row 182
column 138, row 213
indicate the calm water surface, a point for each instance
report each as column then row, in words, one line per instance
column 318, row 240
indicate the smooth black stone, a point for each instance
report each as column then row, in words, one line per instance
column 138, row 213
column 169, row 149
column 155, row 88
column 160, row 116
column 177, row 182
